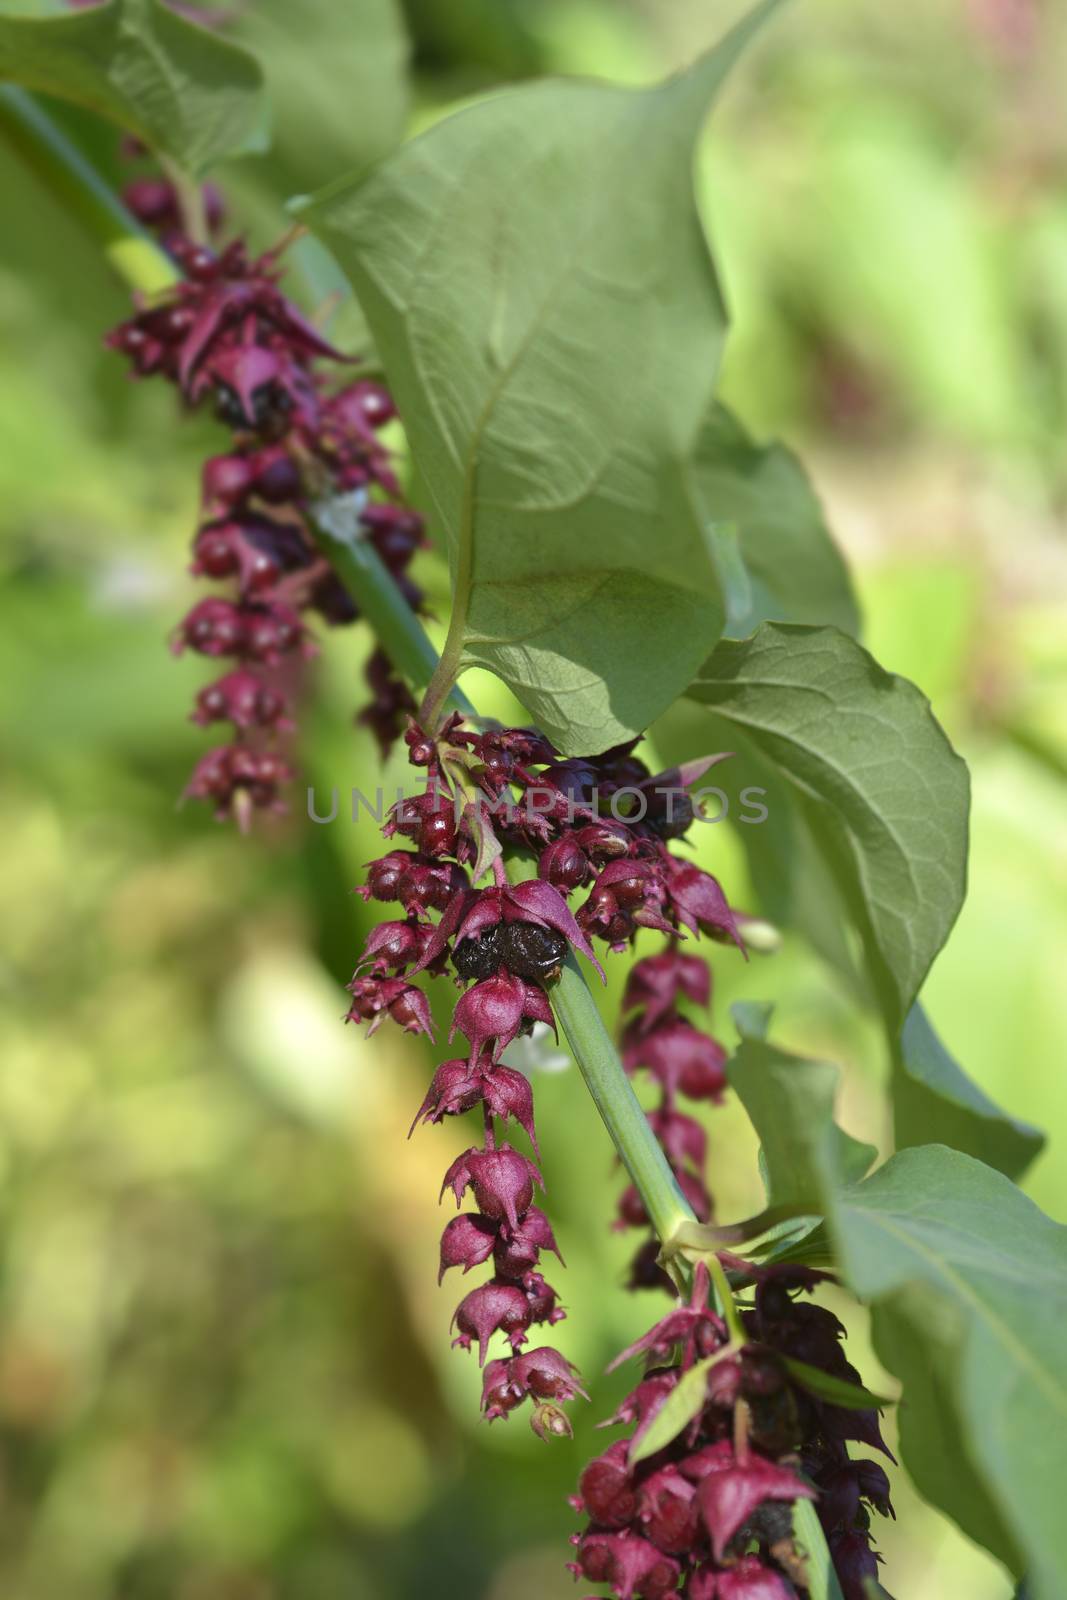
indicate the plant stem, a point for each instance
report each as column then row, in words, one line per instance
column 79, row 189
column 727, row 1304
column 67, row 174
column 361, row 569
column 613, row 1096
column 441, row 687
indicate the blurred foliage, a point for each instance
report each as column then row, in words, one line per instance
column 224, row 1364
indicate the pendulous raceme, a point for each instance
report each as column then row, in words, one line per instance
column 708, row 1515
column 227, row 335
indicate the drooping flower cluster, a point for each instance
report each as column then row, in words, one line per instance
column 707, row 1514
column 226, row 334
column 603, row 824
column 682, row 1060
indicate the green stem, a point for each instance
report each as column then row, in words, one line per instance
column 641, row 1152
column 441, row 686
column 66, row 173
column 77, row 186
column 725, row 1297
column 371, row 585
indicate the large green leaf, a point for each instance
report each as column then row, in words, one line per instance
column 795, row 571
column 969, row 1285
column 181, row 89
column 935, row 1102
column 869, row 777
column 539, row 287
column 336, row 73
column 967, row 1281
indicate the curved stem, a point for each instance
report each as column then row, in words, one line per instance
column 74, row 182
column 371, row 585
column 442, row 685
column 630, row 1130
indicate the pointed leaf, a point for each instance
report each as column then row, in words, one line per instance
column 838, row 1391
column 873, row 781
column 822, row 1581
column 538, row 284
column 967, row 1281
column 790, row 1102
column 683, row 1403
column 184, row 91
column 969, row 1284
column 794, row 570
column 934, row 1102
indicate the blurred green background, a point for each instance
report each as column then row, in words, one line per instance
column 224, row 1362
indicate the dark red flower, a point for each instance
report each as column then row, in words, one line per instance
column 630, row 1564
column 656, row 982
column 467, row 1241
column 854, row 1562
column 459, row 1086
column 607, row 1492
column 699, row 903
column 684, row 1060
column 492, row 1308
column 494, row 1012
column 731, row 1489
column 748, row 1580
column 544, row 1374
column 418, row 884
column 502, row 1181
column 517, row 1249
column 373, row 999
column 667, row 1510
column 237, row 779
column 243, row 699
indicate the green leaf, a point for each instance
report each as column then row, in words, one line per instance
column 810, row 1540
column 835, row 1390
column 790, row 1102
column 336, row 73
column 804, row 1154
column 538, row 285
column 680, row 1407
column 870, row 778
column 934, row 1102
column 188, row 94
column 969, row 1285
column 967, row 1281
column 796, row 573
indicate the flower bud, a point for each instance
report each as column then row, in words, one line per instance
column 564, row 864
column 492, row 1308
column 550, row 1421
column 466, row 1242
column 243, row 699
column 213, row 628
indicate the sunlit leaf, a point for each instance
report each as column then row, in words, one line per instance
column 538, row 285
column 868, row 775
column 685, row 1400
column 969, row 1284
